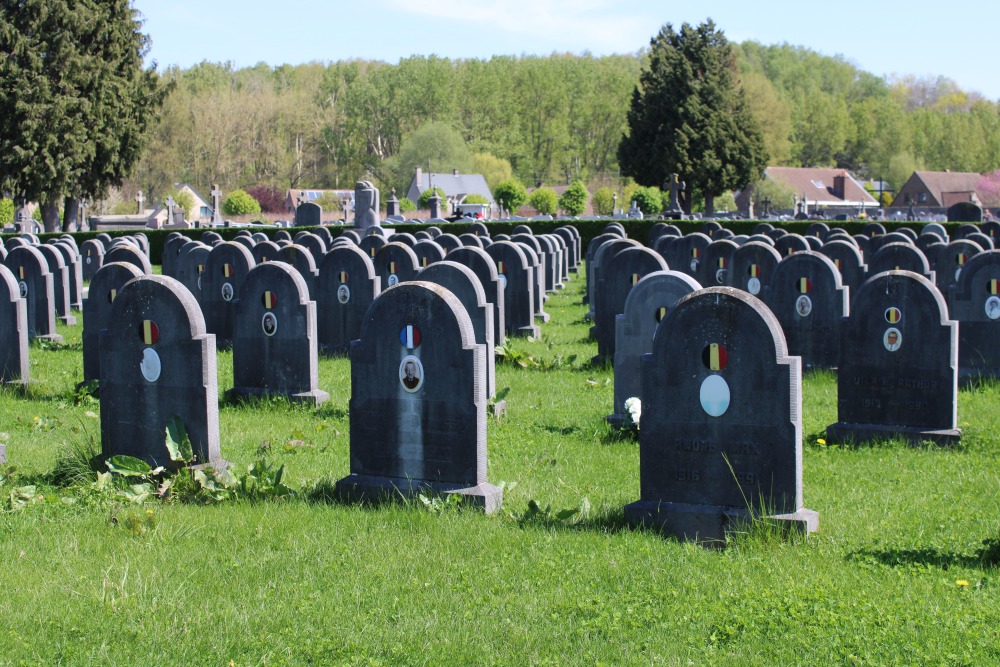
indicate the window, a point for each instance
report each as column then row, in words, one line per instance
column 922, row 197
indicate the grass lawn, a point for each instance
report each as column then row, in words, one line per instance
column 898, row 573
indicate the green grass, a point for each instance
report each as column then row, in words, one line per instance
column 307, row 581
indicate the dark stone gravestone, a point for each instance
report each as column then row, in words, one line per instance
column 592, row 248
column 965, row 212
column 790, row 243
column 245, row 241
column 371, row 231
column 974, row 302
column 423, row 235
column 624, row 272
column 715, row 267
column 898, row 368
column 552, row 261
column 171, row 250
column 721, row 430
column 418, row 401
column 776, row 233
column 818, row 229
column 129, row 255
column 760, row 238
column 538, row 276
column 435, row 231
column 60, row 283
column 864, row 245
column 561, row 252
column 157, row 365
column 481, row 264
column 346, row 288
column 722, row 234
column 74, row 269
column 427, row 253
column 227, row 266
column 647, row 303
column 710, row 228
column 191, row 265
column 326, row 235
column 815, row 243
column 280, row 235
column 810, row 301
column 514, row 274
column 937, row 230
column 847, row 258
column 900, row 257
column 984, row 241
column 992, row 229
column 687, row 253
column 366, row 205
column 477, row 229
column 143, row 241
column 104, row 289
column 215, row 238
column 353, row 234
column 449, row 242
column 274, row 337
column 93, row 257
column 34, row 284
column 104, row 238
column 603, row 258
column 260, row 237
column 752, row 266
column 573, row 247
column 316, row 246
column 13, row 334
column 660, row 229
column 308, row 214
column 405, row 238
column 872, row 229
column 266, row 251
column 907, row 232
column 525, row 229
column 463, row 283
column 471, row 240
column 370, row 245
column 926, row 242
column 951, row 260
column 299, row 258
column 763, row 228
column 395, row 263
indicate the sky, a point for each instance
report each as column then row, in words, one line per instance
column 959, row 39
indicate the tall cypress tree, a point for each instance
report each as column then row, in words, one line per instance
column 75, row 98
column 689, row 116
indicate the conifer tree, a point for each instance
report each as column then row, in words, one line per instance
column 689, row 116
column 75, row 98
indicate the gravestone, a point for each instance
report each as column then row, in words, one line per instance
column 900, row 257
column 130, row 255
column 965, row 212
column 346, row 287
column 476, row 229
column 427, row 253
column 191, row 265
column 847, row 258
column 592, row 247
column 418, row 401
column 624, row 272
column 481, row 264
column 647, row 303
column 216, row 195
column 951, row 261
column 171, row 251
column 449, row 242
column 266, row 251
column 807, row 296
column 395, row 263
column 935, row 229
column 752, row 267
column 710, row 228
column 93, row 257
column 13, row 334
column 325, row 235
column 60, row 283
column 898, row 368
column 603, row 257
column 157, row 365
column 371, row 245
column 514, row 273
column 720, row 442
column 687, row 253
column 471, row 240
column 34, row 284
column 715, row 267
column 463, row 283
column 227, row 266
column 573, row 246
column 245, row 241
column 308, row 214
column 974, row 302
column 104, row 289
column 791, row 243
column 274, row 337
column 366, row 205
column 280, row 235
column 299, row 258
column 984, row 241
column 74, row 268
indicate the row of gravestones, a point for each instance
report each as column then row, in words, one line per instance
column 897, row 354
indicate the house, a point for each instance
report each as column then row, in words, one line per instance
column 826, row 188
column 202, row 208
column 454, row 185
column 293, row 196
column 942, row 189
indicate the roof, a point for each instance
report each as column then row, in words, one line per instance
column 293, row 194
column 816, row 185
column 949, row 187
column 453, row 185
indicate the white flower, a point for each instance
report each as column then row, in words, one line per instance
column 634, row 407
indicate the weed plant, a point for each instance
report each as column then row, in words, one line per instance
column 903, row 570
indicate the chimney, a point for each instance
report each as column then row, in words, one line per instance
column 840, row 185
column 416, row 176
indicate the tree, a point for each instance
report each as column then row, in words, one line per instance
column 511, row 195
column 574, row 199
column 648, row 199
column 185, row 201
column 475, row 198
column 493, row 169
column 238, row 202
column 689, row 115
column 75, row 99
column 6, row 211
column 424, row 201
column 603, row 201
column 436, row 146
column 544, row 200
column 271, row 199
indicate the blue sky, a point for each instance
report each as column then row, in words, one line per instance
column 958, row 39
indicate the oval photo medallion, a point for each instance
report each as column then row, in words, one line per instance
column 714, row 396
column 411, row 373
column 503, row 280
column 150, row 365
column 803, row 306
column 992, row 307
column 269, row 323
column 343, row 294
column 393, row 279
column 753, row 286
column 22, row 288
column 892, row 339
column 227, row 291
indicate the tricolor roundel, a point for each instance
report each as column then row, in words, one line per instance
column 269, row 299
column 150, row 332
column 715, row 357
column 409, row 336
column 893, row 315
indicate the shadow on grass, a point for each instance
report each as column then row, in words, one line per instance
column 986, row 556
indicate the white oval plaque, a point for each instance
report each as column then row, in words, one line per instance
column 715, row 396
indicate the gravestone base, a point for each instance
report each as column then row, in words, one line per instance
column 498, row 408
column 373, row 488
column 709, row 524
column 543, row 316
column 844, row 433
column 618, row 421
column 527, row 332
column 316, row 397
column 68, row 319
column 52, row 338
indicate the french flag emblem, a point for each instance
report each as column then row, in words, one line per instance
column 409, row 336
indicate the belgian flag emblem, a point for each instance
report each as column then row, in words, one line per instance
column 111, row 295
column 634, row 278
column 501, row 267
column 661, row 313
column 838, row 264
column 715, row 357
column 201, row 268
column 342, row 276
column 993, row 286
column 695, row 253
column 373, row 252
column 893, row 315
column 804, row 285
column 960, row 259
column 754, row 270
column 270, row 299
column 227, row 270
column 150, row 332
column 423, row 262
column 392, row 267
column 722, row 262
column 20, row 272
